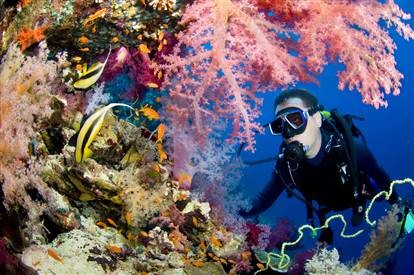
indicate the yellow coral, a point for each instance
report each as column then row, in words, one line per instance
column 383, row 242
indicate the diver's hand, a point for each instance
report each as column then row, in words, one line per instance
column 404, row 203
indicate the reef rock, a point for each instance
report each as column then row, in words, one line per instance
column 81, row 252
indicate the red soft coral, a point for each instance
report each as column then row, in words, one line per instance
column 246, row 55
column 137, row 65
column 280, row 233
column 257, row 236
column 350, row 32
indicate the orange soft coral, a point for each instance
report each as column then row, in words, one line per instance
column 28, row 37
column 24, row 3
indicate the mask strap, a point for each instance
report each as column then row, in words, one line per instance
column 315, row 109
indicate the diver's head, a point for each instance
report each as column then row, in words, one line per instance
column 297, row 119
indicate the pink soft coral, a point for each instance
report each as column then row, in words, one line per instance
column 350, row 32
column 233, row 48
column 209, row 85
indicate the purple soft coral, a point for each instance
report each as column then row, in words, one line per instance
column 257, row 237
column 280, row 233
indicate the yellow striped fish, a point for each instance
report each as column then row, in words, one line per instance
column 88, row 77
column 89, row 131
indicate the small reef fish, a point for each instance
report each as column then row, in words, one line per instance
column 159, row 74
column 144, row 48
column 184, row 178
column 89, row 131
column 195, row 222
column 160, row 132
column 128, row 217
column 156, row 168
column 153, row 85
column 161, row 152
column 143, row 234
column 77, row 59
column 161, row 35
column 215, row 241
column 198, row 263
column 96, row 15
column 130, row 237
column 260, row 266
column 36, row 264
column 115, row 249
column 88, row 77
column 52, row 253
column 182, row 197
column 112, row 222
column 101, row 225
column 150, row 113
column 83, row 40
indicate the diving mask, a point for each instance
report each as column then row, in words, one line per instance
column 292, row 121
column 289, row 122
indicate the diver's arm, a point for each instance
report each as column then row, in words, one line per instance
column 267, row 196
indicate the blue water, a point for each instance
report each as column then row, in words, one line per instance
column 390, row 135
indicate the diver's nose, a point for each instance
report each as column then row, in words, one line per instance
column 287, row 131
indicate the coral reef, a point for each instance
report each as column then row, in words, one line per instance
column 89, row 251
column 27, row 97
column 121, row 211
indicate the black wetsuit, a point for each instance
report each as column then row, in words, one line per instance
column 320, row 179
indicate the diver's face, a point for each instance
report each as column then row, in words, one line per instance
column 312, row 131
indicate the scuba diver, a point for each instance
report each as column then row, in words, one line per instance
column 325, row 157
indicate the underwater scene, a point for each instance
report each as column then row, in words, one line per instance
column 206, row 137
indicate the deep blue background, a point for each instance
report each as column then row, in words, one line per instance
column 390, row 135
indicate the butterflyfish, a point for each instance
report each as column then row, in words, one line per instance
column 89, row 131
column 88, row 77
